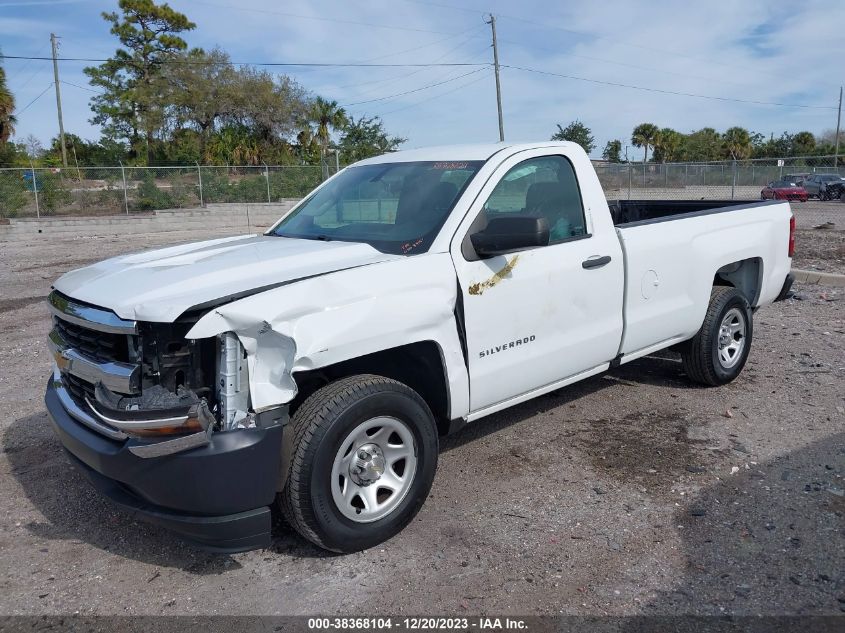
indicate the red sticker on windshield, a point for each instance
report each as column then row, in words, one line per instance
column 450, row 166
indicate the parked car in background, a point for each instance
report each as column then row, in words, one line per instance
column 798, row 179
column 819, row 185
column 783, row 190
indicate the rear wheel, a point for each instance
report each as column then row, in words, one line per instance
column 365, row 454
column 717, row 354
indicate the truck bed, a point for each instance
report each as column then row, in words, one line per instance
column 631, row 212
column 670, row 266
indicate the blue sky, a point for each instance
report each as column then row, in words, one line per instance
column 758, row 50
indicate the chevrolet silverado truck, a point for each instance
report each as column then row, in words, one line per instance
column 315, row 367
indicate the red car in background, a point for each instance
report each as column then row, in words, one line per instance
column 783, row 190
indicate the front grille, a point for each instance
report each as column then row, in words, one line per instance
column 100, row 346
column 79, row 389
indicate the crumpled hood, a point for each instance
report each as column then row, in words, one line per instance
column 161, row 284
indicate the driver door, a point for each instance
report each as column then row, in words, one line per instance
column 537, row 316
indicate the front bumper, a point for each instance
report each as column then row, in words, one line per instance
column 217, row 495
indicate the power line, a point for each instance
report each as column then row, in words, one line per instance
column 623, row 64
column 43, row 92
column 18, row 71
column 668, row 92
column 436, row 96
column 405, row 76
column 407, row 92
column 69, row 83
column 615, row 40
column 416, row 48
column 280, row 64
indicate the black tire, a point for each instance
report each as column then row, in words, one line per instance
column 701, row 355
column 320, row 426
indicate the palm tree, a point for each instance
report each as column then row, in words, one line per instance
column 737, row 143
column 326, row 114
column 643, row 136
column 667, row 144
column 7, row 106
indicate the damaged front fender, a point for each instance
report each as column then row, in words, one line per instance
column 328, row 319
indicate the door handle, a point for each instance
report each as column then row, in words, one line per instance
column 596, row 262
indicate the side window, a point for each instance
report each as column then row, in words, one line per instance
column 544, row 186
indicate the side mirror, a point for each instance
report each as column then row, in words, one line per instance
column 504, row 234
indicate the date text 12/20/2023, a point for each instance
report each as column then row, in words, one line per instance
column 417, row 624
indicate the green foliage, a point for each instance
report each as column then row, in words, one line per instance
column 613, row 151
column 668, row 145
column 130, row 104
column 576, row 132
column 365, row 138
column 149, row 197
column 644, row 135
column 53, row 192
column 703, row 145
column 7, row 107
column 736, row 143
column 326, row 114
column 13, row 194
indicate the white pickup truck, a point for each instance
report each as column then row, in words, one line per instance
column 315, row 366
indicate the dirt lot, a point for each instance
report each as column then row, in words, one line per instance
column 615, row 496
column 820, row 249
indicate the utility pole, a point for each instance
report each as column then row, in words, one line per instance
column 54, row 43
column 492, row 23
column 838, row 120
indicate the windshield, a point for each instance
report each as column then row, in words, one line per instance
column 783, row 184
column 396, row 208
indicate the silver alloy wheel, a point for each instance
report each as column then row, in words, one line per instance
column 731, row 338
column 373, row 469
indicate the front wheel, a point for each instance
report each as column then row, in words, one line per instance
column 717, row 354
column 364, row 457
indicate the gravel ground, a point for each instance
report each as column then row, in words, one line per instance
column 820, row 249
column 630, row 493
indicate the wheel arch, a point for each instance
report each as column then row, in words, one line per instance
column 745, row 275
column 420, row 365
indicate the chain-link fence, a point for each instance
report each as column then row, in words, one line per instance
column 41, row 192
column 723, row 180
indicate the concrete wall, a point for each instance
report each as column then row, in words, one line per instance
column 253, row 218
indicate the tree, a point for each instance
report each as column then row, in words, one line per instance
column 613, row 151
column 366, row 137
column 130, row 105
column 803, row 144
column 34, row 149
column 703, row 145
column 643, row 136
column 668, row 145
column 203, row 90
column 736, row 143
column 7, row 107
column 326, row 114
column 576, row 132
